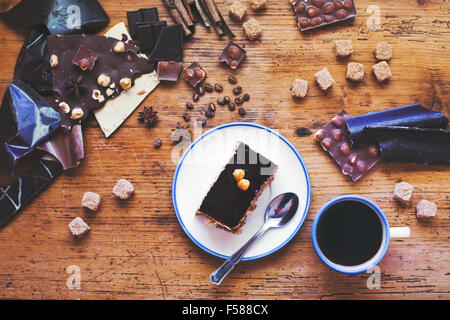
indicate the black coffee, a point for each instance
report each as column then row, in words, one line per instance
column 349, row 233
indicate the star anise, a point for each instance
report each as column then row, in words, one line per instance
column 148, row 117
column 74, row 87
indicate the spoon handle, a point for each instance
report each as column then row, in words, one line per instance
column 217, row 276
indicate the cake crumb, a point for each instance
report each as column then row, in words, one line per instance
column 91, row 201
column 324, row 79
column 252, row 29
column 237, row 11
column 355, row 71
column 382, row 71
column 123, row 189
column 299, row 88
column 343, row 48
column 403, row 192
column 383, row 51
column 426, row 210
column 78, row 227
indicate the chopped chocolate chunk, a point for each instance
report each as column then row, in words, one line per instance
column 141, row 15
column 169, row 70
column 233, row 55
column 355, row 71
column 403, row 192
column 383, row 51
column 426, row 210
column 252, row 29
column 382, row 71
column 91, row 201
column 85, row 58
column 169, row 46
column 78, row 227
column 147, row 34
column 237, row 11
column 194, row 74
column 299, row 88
column 123, row 189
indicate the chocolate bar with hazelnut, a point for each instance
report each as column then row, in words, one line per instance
column 78, row 91
column 194, row 74
column 353, row 161
column 169, row 70
column 312, row 14
column 233, row 55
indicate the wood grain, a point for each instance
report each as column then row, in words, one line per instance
column 137, row 249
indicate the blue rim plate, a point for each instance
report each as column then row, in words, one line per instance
column 300, row 165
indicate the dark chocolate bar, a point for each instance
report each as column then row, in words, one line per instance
column 32, row 65
column 407, row 116
column 232, row 55
column 169, row 46
column 15, row 197
column 26, row 119
column 412, row 144
column 313, row 14
column 141, row 15
column 194, row 74
column 147, row 34
column 76, row 89
column 353, row 161
column 169, row 70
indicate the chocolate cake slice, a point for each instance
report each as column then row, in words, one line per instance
column 233, row 196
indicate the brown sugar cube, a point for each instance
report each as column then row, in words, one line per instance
column 258, row 5
column 355, row 71
column 123, row 189
column 382, row 71
column 252, row 29
column 78, row 227
column 324, row 79
column 237, row 11
column 425, row 210
column 91, row 201
column 343, row 48
column 299, row 88
column 403, row 192
column 383, row 51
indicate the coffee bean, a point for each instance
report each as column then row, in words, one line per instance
column 226, row 99
column 221, row 101
column 210, row 114
column 218, row 87
column 157, row 144
column 232, row 80
column 212, row 107
column 232, row 106
column 186, row 117
column 246, row 97
column 189, row 105
column 200, row 90
column 208, row 88
column 239, row 101
column 242, row 112
column 237, row 90
column 195, row 97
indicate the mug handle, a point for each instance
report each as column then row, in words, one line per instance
column 399, row 232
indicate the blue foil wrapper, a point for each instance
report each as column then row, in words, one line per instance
column 26, row 119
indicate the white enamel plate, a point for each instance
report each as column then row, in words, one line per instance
column 202, row 163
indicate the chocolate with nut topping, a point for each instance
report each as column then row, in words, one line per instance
column 353, row 161
column 313, row 14
column 194, row 74
column 79, row 89
column 169, row 70
column 233, row 55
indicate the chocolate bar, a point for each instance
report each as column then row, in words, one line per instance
column 169, row 70
column 412, row 145
column 413, row 115
column 353, row 161
column 77, row 92
column 26, row 119
column 169, row 46
column 16, row 196
column 141, row 15
column 194, row 74
column 147, row 34
column 32, row 65
column 312, row 14
column 233, row 55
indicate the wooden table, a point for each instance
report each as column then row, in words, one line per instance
column 137, row 249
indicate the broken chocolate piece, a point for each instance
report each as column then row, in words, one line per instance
column 232, row 55
column 147, row 34
column 354, row 161
column 412, row 145
column 407, row 116
column 169, row 70
column 194, row 74
column 320, row 13
column 141, row 15
column 85, row 59
column 169, row 46
column 26, row 119
column 116, row 66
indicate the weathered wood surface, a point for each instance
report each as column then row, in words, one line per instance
column 138, row 250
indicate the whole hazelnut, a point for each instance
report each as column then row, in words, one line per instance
column 77, row 113
column 163, row 65
column 312, row 12
column 103, row 80
column 53, row 60
column 233, row 52
column 119, row 47
column 299, row 8
column 84, row 64
column 243, row 184
column 96, row 94
column 199, row 73
column 238, row 174
column 125, row 83
column 64, row 107
column 188, row 74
